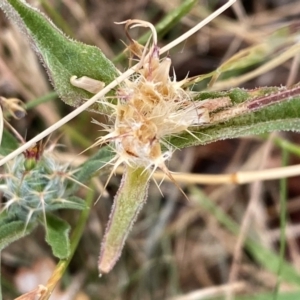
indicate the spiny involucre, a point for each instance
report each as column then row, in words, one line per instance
column 35, row 183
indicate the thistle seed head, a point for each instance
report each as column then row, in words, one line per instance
column 150, row 106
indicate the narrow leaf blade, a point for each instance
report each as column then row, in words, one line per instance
column 282, row 115
column 128, row 202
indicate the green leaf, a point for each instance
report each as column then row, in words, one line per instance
column 93, row 164
column 9, row 143
column 57, row 236
column 129, row 200
column 89, row 168
column 75, row 238
column 4, row 218
column 12, row 230
column 282, row 115
column 61, row 56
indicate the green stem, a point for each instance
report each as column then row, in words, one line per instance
column 48, row 97
column 283, row 215
column 32, row 104
column 286, row 145
column 128, row 202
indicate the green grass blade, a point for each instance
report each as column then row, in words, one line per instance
column 283, row 216
column 165, row 24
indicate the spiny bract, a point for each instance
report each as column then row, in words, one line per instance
column 34, row 184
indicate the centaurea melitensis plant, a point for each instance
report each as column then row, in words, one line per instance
column 150, row 113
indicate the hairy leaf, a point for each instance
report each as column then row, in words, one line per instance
column 58, row 236
column 128, row 202
column 89, row 168
column 61, row 56
column 12, row 230
column 253, row 112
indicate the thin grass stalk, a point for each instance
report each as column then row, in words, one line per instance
column 283, row 223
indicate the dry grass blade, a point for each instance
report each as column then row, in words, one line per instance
column 241, row 177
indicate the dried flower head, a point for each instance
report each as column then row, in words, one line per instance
column 151, row 106
column 14, row 106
